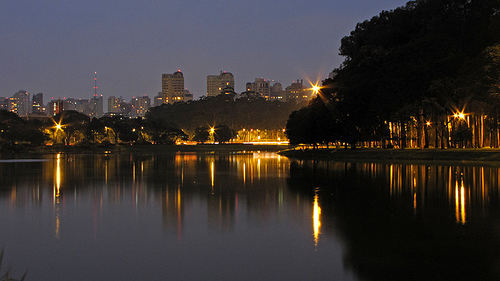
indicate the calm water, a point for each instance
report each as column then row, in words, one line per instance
column 246, row 216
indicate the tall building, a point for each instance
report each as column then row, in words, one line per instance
column 69, row 104
column 172, row 87
column 140, row 106
column 4, row 103
column 297, row 91
column 54, row 107
column 114, row 104
column 158, row 100
column 37, row 107
column 277, row 92
column 96, row 107
column 82, row 106
column 213, row 85
column 260, row 86
column 187, row 95
column 20, row 103
column 218, row 84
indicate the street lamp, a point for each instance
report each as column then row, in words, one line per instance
column 212, row 131
column 459, row 115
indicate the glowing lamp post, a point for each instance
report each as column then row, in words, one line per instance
column 212, row 131
column 58, row 127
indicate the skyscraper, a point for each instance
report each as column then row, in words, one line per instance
column 172, row 87
column 37, row 104
column 20, row 103
column 140, row 106
column 114, row 104
column 217, row 84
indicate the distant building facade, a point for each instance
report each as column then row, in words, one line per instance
column 187, row 95
column 218, row 84
column 140, row 106
column 297, row 91
column 260, row 86
column 172, row 87
column 4, row 103
column 96, row 105
column 114, row 104
column 158, row 100
column 277, row 92
column 54, row 107
column 19, row 103
column 37, row 105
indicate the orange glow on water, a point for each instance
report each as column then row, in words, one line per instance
column 316, row 220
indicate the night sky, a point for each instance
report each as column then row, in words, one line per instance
column 55, row 46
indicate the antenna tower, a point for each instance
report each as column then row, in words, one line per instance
column 95, row 84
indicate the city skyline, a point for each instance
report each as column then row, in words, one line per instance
column 55, row 48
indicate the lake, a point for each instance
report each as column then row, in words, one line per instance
column 245, row 216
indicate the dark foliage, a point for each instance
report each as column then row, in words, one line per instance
column 395, row 63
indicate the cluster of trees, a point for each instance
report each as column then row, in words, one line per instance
column 415, row 69
column 213, row 118
column 225, row 114
column 14, row 129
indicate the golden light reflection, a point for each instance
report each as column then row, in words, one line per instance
column 258, row 168
column 460, row 212
column 415, row 200
column 58, row 173
column 56, row 196
column 462, row 201
column 316, row 219
column 179, row 214
column 244, row 173
column 461, row 186
column 212, row 175
column 133, row 171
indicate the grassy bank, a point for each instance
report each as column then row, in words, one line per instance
column 435, row 156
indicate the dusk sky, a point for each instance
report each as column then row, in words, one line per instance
column 55, row 46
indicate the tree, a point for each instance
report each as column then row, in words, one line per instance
column 161, row 131
column 393, row 60
column 223, row 134
column 315, row 124
column 72, row 125
column 94, row 131
column 201, row 134
column 14, row 130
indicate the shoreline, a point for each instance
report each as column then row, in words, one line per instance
column 222, row 148
column 455, row 156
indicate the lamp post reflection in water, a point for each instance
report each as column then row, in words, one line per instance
column 212, row 175
column 57, row 186
column 460, row 203
column 316, row 218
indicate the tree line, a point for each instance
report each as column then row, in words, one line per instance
column 425, row 74
column 210, row 118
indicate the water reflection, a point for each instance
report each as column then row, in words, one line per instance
column 316, row 218
column 170, row 179
column 408, row 222
column 57, row 186
column 394, row 221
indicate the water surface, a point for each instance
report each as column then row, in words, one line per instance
column 246, row 216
